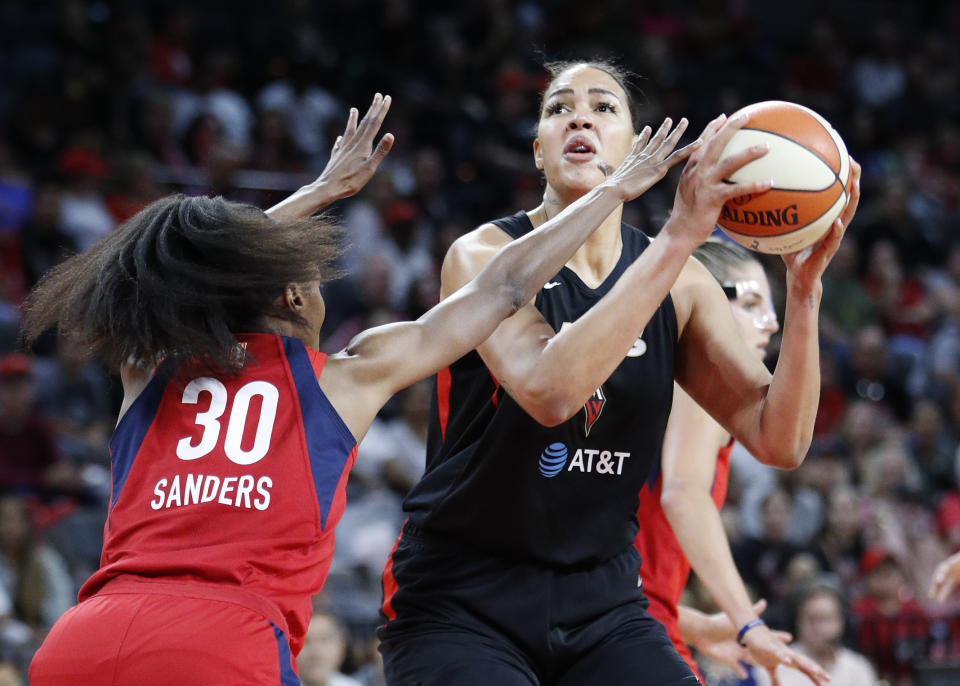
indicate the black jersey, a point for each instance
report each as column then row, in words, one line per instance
column 566, row 495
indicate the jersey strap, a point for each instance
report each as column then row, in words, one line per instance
column 130, row 432
column 330, row 444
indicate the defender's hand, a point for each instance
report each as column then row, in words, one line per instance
column 353, row 159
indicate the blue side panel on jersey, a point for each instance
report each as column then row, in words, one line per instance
column 329, row 442
column 129, row 434
column 287, row 676
column 654, row 474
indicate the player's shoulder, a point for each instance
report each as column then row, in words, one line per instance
column 484, row 237
column 468, row 253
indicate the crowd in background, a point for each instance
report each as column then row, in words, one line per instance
column 106, row 105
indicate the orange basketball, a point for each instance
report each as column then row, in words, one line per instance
column 810, row 168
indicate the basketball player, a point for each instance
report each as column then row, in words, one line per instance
column 679, row 503
column 235, row 436
column 516, row 564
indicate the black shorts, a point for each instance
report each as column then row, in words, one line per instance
column 456, row 617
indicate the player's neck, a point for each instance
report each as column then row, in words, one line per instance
column 283, row 327
column 599, row 254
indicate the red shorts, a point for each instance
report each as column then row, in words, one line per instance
column 151, row 639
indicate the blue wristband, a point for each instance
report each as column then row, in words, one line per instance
column 746, row 627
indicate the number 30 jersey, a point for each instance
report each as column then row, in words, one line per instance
column 235, row 481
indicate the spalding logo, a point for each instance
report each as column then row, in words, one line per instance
column 553, row 459
column 780, row 216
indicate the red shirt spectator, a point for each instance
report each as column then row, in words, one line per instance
column 28, row 453
column 892, row 628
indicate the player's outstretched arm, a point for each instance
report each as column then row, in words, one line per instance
column 689, row 462
column 353, row 161
column 772, row 416
column 381, row 361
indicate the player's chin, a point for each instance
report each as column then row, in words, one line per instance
column 580, row 178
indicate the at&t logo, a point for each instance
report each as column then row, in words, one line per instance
column 553, row 459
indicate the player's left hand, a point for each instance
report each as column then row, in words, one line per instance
column 717, row 639
column 766, row 649
column 807, row 266
column 353, row 159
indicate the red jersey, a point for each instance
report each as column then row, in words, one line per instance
column 664, row 569
column 231, row 484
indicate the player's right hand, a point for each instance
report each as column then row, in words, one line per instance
column 702, row 190
column 354, row 159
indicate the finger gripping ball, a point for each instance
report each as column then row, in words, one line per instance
column 810, row 169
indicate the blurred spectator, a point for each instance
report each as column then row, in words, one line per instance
column 29, row 459
column 324, row 649
column 307, row 108
column 73, row 395
column 759, row 558
column 841, row 540
column 33, row 575
column 392, row 453
column 273, row 147
column 892, row 628
column 16, row 195
column 9, row 674
column 905, row 308
column 133, row 186
column 84, row 215
column 871, row 374
column 819, row 631
column 169, row 51
column 44, row 243
column 879, row 78
column 849, row 307
column 932, row 447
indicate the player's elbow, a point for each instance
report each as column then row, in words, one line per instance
column 547, row 401
column 675, row 500
column 783, row 456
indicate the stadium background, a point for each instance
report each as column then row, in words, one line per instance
column 105, row 106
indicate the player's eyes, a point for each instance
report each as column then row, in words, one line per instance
column 606, row 107
column 555, row 108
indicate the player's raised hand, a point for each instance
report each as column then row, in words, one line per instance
column 353, row 161
column 702, row 189
column 945, row 577
column 809, row 264
column 354, row 158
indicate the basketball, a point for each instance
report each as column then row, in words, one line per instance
column 810, row 169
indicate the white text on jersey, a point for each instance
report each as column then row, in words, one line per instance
column 238, row 491
column 606, row 462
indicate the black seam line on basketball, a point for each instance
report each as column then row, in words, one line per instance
column 836, row 175
column 793, row 190
column 787, row 233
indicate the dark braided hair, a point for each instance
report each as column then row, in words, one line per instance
column 178, row 279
